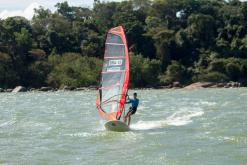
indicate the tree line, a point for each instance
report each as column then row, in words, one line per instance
column 169, row 40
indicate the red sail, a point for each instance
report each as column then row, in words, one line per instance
column 115, row 76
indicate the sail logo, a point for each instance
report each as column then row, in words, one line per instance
column 115, row 62
column 112, row 69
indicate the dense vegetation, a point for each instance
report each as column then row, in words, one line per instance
column 169, row 40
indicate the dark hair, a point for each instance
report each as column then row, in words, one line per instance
column 135, row 93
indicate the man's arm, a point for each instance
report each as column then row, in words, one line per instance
column 128, row 101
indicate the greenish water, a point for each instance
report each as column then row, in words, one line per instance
column 171, row 127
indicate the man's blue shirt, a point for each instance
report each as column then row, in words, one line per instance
column 134, row 102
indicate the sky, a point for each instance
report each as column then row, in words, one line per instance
column 25, row 8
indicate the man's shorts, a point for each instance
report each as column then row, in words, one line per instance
column 132, row 110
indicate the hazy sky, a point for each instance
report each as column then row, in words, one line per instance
column 25, row 7
column 22, row 4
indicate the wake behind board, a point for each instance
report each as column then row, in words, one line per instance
column 117, row 126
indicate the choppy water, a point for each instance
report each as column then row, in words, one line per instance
column 171, row 127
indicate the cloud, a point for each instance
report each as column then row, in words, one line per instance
column 27, row 13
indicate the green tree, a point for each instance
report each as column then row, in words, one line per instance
column 175, row 72
column 212, row 77
column 201, row 29
column 8, row 76
column 16, row 39
column 163, row 41
column 23, row 40
column 65, row 10
column 170, row 40
column 40, row 25
column 74, row 70
column 143, row 71
column 233, row 71
column 102, row 13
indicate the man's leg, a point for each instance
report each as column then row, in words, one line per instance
column 125, row 119
column 127, row 115
column 129, row 120
column 132, row 112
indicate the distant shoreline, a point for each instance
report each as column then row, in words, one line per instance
column 175, row 85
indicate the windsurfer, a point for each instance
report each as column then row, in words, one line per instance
column 132, row 110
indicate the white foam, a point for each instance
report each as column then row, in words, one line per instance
column 147, row 125
column 80, row 134
column 7, row 123
column 179, row 118
column 183, row 117
column 207, row 103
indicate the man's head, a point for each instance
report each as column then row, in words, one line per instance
column 135, row 95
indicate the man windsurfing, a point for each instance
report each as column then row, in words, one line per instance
column 132, row 110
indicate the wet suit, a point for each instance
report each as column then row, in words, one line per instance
column 132, row 110
column 134, row 105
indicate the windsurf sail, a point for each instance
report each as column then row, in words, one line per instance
column 114, row 76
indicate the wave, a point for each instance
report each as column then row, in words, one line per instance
column 80, row 134
column 179, row 118
column 7, row 123
column 204, row 103
column 183, row 117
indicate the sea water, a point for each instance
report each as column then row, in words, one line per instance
column 171, row 127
